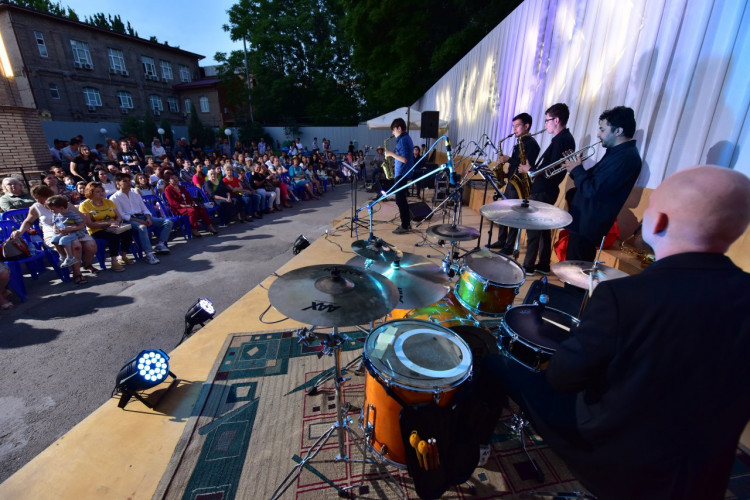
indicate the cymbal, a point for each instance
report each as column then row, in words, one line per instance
column 333, row 295
column 536, row 215
column 577, row 272
column 453, row 233
column 420, row 282
column 377, row 250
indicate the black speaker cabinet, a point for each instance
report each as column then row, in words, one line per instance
column 419, row 210
column 430, row 121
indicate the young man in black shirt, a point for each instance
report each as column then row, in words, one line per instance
column 546, row 189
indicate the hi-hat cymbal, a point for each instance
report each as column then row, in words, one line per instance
column 450, row 232
column 420, row 282
column 577, row 273
column 377, row 250
column 536, row 215
column 333, row 295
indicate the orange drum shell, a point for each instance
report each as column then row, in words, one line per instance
column 384, row 415
column 446, row 312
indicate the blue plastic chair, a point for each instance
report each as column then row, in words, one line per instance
column 154, row 206
column 199, row 196
column 183, row 220
column 34, row 237
column 34, row 263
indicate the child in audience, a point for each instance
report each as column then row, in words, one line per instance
column 69, row 227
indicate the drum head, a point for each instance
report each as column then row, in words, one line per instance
column 417, row 354
column 496, row 268
column 547, row 329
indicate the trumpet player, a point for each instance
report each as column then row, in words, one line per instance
column 546, row 189
column 506, row 238
column 601, row 191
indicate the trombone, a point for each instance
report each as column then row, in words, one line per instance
column 551, row 171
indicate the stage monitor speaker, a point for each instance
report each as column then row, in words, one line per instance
column 430, row 122
column 419, row 210
column 567, row 299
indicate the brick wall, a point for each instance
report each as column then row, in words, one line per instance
column 22, row 141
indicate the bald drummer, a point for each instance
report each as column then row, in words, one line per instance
column 648, row 396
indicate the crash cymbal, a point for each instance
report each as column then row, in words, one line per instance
column 516, row 213
column 453, row 233
column 333, row 295
column 377, row 250
column 420, row 282
column 577, row 272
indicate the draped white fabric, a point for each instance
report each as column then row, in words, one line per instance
column 682, row 65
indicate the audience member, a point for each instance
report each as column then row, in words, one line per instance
column 181, row 203
column 69, row 227
column 14, row 197
column 104, row 223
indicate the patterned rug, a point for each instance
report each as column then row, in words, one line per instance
column 254, row 421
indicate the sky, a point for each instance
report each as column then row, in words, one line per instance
column 193, row 25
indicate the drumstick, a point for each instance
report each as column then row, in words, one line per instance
column 559, row 325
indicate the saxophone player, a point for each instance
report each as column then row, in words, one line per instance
column 404, row 160
column 506, row 238
column 546, row 189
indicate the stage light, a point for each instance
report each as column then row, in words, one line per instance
column 300, row 244
column 148, row 369
column 198, row 314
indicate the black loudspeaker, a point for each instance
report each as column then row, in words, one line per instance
column 419, row 210
column 567, row 299
column 430, row 122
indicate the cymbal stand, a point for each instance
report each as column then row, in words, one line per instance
column 341, row 428
column 489, row 178
column 358, row 362
column 593, row 273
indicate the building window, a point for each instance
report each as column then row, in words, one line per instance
column 156, row 106
column 53, row 91
column 117, row 62
column 126, row 100
column 204, row 104
column 149, row 69
column 81, row 54
column 40, row 44
column 188, row 105
column 166, row 71
column 184, row 73
column 174, row 105
column 93, row 99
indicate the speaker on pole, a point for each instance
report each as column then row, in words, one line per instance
column 430, row 121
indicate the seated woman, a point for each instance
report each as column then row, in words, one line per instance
column 297, row 173
column 274, row 181
column 143, row 186
column 103, row 221
column 230, row 207
column 51, row 180
column 241, row 191
column 102, row 177
column 311, row 176
column 181, row 203
column 83, row 249
column 14, row 197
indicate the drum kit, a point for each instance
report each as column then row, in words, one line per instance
column 430, row 340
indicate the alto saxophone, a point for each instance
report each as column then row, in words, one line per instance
column 389, row 165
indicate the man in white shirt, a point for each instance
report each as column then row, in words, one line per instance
column 136, row 213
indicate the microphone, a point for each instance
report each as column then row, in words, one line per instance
column 450, row 161
column 489, row 143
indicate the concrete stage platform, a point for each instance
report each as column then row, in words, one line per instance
column 123, row 454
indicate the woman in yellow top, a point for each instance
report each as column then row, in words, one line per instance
column 102, row 219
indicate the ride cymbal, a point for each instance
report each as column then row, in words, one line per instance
column 526, row 214
column 333, row 295
column 578, row 272
column 450, row 232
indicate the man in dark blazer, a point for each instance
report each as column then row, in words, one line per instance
column 648, row 397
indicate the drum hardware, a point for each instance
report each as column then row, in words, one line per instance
column 377, row 250
column 518, row 425
column 342, row 427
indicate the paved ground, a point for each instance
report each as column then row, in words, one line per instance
column 62, row 348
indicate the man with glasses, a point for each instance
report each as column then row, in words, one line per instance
column 546, row 189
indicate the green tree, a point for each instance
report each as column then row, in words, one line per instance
column 400, row 61
column 148, row 128
column 300, row 58
column 131, row 125
column 167, row 126
column 48, row 6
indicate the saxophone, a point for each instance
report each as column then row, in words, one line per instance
column 389, row 165
column 521, row 181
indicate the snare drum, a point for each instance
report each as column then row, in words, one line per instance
column 489, row 283
column 531, row 337
column 419, row 362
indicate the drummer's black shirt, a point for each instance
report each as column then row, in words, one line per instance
column 561, row 143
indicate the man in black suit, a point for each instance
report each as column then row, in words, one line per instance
column 648, row 397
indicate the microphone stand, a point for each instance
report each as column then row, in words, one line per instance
column 353, row 221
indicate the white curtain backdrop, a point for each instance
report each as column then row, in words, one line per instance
column 682, row 65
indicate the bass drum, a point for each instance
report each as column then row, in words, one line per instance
column 489, row 283
column 408, row 362
column 530, row 334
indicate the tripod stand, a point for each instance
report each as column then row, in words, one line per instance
column 353, row 219
column 341, row 428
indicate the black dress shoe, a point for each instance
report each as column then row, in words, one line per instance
column 497, row 244
column 402, row 230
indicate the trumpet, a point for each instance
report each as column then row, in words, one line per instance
column 555, row 168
